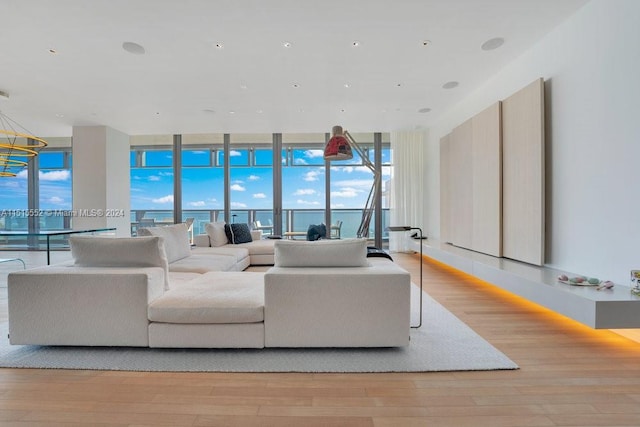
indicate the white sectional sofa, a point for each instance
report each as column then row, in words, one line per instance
column 260, row 251
column 124, row 292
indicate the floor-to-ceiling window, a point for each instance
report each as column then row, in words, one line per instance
column 303, row 181
column 251, row 179
column 202, row 179
column 38, row 198
column 54, row 182
column 151, row 180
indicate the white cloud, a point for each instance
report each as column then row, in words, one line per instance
column 301, row 162
column 165, row 173
column 312, row 154
column 337, row 205
column 363, row 169
column 56, row 200
column 165, row 199
column 304, row 192
column 311, row 176
column 63, row 175
column 386, row 170
column 253, row 178
column 237, row 187
column 154, row 178
column 238, row 205
column 198, row 204
column 345, row 192
column 304, row 202
column 22, row 174
column 234, row 153
column 354, row 183
column 259, row 196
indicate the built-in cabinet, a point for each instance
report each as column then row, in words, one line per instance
column 492, row 179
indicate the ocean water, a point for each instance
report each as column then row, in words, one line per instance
column 293, row 220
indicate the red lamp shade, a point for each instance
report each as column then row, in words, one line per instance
column 338, row 148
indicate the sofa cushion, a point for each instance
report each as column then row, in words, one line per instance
column 217, row 235
column 203, row 263
column 93, row 251
column 230, row 297
column 240, row 252
column 321, row 253
column 238, row 233
column 176, row 239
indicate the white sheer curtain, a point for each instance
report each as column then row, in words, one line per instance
column 407, row 186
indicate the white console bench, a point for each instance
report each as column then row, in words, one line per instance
column 614, row 308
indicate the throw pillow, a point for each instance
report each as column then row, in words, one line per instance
column 176, row 239
column 92, row 251
column 216, row 233
column 321, row 253
column 316, row 232
column 238, row 233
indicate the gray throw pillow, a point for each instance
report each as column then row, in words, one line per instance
column 238, row 233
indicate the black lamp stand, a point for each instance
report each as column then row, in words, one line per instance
column 407, row 228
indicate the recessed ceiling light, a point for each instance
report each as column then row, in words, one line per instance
column 450, row 85
column 4, row 95
column 342, row 110
column 59, row 115
column 259, row 111
column 219, row 46
column 398, row 84
column 426, row 42
column 53, row 51
column 232, row 112
column 243, row 87
column 424, row 110
column 347, row 85
column 134, row 48
column 296, row 85
column 286, row 44
column 492, row 43
column 355, row 43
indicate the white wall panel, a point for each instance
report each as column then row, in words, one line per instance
column 487, row 181
column 461, row 185
column 445, row 188
column 523, row 174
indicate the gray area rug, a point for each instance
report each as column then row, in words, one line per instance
column 443, row 343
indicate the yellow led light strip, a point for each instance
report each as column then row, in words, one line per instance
column 10, row 152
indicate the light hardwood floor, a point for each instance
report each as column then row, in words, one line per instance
column 569, row 375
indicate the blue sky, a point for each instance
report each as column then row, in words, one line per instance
column 252, row 187
column 203, row 186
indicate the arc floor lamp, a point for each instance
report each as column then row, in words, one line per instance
column 341, row 147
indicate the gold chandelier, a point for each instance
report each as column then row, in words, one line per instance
column 14, row 156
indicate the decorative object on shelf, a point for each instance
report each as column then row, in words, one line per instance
column 635, row 282
column 608, row 284
column 407, row 228
column 585, row 281
column 14, row 156
column 339, row 147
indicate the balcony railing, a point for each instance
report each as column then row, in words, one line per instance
column 292, row 220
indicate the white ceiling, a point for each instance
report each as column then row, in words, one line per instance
column 184, row 84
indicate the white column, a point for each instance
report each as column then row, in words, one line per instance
column 101, row 179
